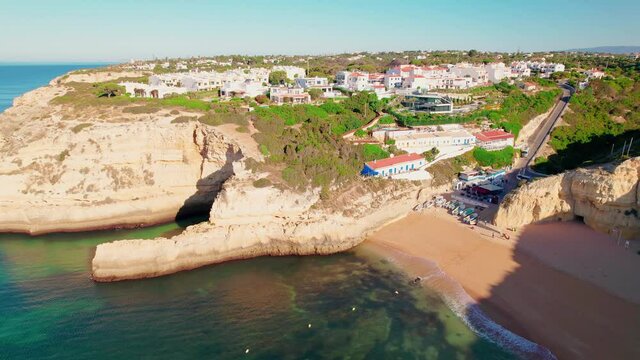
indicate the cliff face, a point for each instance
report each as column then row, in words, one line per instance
column 607, row 198
column 247, row 221
column 62, row 170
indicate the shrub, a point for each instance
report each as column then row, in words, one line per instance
column 263, row 182
column 495, row 159
column 387, row 119
column 144, row 109
column 76, row 129
column 374, row 152
column 183, row 119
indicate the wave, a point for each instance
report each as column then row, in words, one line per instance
column 468, row 310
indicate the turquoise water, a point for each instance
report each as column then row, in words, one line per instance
column 50, row 309
column 15, row 80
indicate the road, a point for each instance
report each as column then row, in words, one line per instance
column 539, row 138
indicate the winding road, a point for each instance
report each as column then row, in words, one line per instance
column 539, row 138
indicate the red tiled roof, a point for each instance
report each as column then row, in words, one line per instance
column 493, row 135
column 377, row 164
column 406, row 68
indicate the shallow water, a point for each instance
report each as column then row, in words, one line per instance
column 50, row 309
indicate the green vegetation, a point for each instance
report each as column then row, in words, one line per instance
column 445, row 171
column 63, row 155
column 109, row 89
column 76, row 129
column 183, row 119
column 387, row 119
column 315, row 94
column 495, row 159
column 430, row 155
column 602, row 119
column 360, row 133
column 374, row 152
column 304, row 143
column 516, row 110
column 278, row 77
column 187, row 103
column 263, row 182
column 142, row 109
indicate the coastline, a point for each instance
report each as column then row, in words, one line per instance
column 516, row 286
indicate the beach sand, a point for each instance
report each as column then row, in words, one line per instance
column 560, row 285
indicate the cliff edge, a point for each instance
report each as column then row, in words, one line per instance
column 78, row 167
column 607, row 198
column 248, row 221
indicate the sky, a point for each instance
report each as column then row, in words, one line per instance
column 119, row 30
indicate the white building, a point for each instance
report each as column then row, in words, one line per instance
column 494, row 139
column 423, row 140
column 151, row 91
column 321, row 83
column 244, row 88
column 392, row 81
column 476, row 72
column 288, row 95
column 497, row 72
column 393, row 165
column 594, row 74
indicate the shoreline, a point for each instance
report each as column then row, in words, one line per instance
column 517, row 286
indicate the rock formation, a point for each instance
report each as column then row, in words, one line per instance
column 247, row 221
column 606, row 198
column 67, row 169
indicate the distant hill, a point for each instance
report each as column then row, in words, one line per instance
column 610, row 49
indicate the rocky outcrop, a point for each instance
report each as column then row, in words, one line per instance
column 97, row 167
column 606, row 198
column 247, row 222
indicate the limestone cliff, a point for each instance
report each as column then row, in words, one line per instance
column 64, row 168
column 247, row 221
column 606, row 197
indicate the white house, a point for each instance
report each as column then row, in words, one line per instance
column 151, row 91
column 494, row 139
column 243, row 88
column 321, row 83
column 392, row 81
column 594, row 74
column 445, row 141
column 477, row 72
column 497, row 72
column 288, row 95
column 393, row 165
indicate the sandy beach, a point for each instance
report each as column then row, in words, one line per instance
column 560, row 285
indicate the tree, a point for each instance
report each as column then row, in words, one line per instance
column 430, row 155
column 109, row 90
column 315, row 93
column 472, row 53
column 262, row 99
column 277, row 77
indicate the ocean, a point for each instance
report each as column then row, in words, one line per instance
column 16, row 80
column 352, row 305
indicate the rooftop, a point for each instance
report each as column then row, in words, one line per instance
column 494, row 135
column 378, row 164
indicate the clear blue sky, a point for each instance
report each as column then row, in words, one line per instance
column 116, row 30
